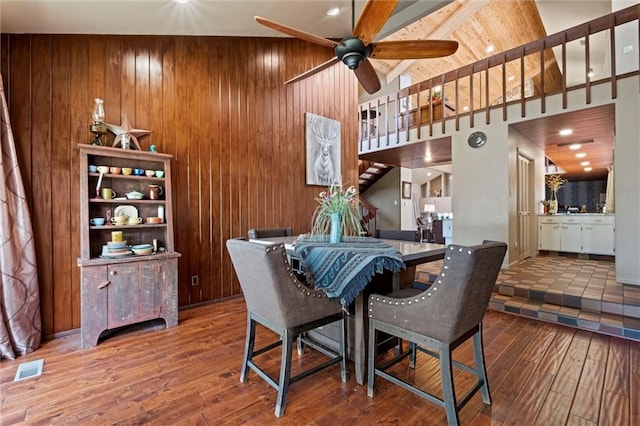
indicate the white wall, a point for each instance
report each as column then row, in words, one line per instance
column 385, row 196
column 407, row 213
column 485, row 191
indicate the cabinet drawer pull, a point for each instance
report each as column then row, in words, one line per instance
column 104, row 284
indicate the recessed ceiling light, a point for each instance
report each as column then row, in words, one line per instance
column 584, row 163
column 334, row 11
column 466, row 108
column 565, row 132
column 588, row 169
column 427, row 157
column 581, row 155
column 429, row 174
column 575, row 146
column 490, row 48
column 181, row 1
column 511, row 78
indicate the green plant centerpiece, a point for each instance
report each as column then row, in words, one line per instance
column 337, row 208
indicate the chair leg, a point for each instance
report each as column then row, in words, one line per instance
column 412, row 355
column 248, row 347
column 285, row 372
column 371, row 361
column 481, row 371
column 300, row 344
column 344, row 372
column 448, row 389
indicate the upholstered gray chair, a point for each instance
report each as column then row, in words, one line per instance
column 269, row 232
column 439, row 319
column 278, row 301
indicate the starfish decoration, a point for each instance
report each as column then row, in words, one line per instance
column 125, row 128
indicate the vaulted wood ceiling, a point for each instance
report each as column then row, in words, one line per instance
column 476, row 24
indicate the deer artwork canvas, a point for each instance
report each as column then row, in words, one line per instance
column 323, row 150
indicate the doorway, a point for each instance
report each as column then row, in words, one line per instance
column 524, row 205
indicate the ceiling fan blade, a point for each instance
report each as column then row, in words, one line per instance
column 413, row 49
column 314, row 70
column 302, row 35
column 373, row 17
column 368, row 77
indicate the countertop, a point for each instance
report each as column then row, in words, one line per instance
column 577, row 214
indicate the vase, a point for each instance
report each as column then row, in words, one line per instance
column 553, row 203
column 335, row 232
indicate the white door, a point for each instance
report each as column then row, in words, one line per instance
column 524, row 201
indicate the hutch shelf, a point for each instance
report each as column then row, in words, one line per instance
column 121, row 290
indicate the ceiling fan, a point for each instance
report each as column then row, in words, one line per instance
column 356, row 50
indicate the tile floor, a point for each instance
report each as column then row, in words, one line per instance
column 581, row 293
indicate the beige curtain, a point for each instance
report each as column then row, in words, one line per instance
column 20, row 326
column 610, row 199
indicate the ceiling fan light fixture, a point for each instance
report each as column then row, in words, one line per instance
column 575, row 146
column 581, row 155
column 565, row 132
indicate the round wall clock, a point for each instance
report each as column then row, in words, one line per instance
column 477, row 139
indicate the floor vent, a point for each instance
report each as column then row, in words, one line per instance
column 29, row 369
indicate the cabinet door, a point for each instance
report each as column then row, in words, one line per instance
column 598, row 239
column 93, row 306
column 124, row 294
column 150, row 289
column 571, row 237
column 549, row 238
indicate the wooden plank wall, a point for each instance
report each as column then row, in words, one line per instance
column 217, row 104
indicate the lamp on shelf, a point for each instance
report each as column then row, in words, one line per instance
column 429, row 209
column 98, row 127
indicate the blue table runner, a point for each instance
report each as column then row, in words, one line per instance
column 344, row 269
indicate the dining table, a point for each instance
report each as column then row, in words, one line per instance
column 412, row 253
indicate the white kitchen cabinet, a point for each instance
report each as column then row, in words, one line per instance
column 571, row 234
column 549, row 235
column 589, row 234
column 599, row 235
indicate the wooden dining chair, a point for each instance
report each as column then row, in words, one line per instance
column 438, row 320
column 278, row 301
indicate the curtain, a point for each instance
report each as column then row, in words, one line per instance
column 610, row 199
column 20, row 324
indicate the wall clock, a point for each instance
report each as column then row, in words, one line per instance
column 477, row 139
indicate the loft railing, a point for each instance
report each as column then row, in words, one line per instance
column 493, row 82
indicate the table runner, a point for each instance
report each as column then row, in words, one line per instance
column 344, row 269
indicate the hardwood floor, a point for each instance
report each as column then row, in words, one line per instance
column 539, row 373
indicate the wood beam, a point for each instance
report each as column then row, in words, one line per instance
column 442, row 32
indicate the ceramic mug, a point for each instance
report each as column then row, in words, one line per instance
column 115, row 170
column 119, row 220
column 150, row 173
column 97, row 221
column 138, row 172
column 134, row 220
column 103, row 169
column 93, row 169
column 108, row 193
column 116, row 236
column 127, row 171
column 159, row 173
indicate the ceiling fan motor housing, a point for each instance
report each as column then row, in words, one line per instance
column 352, row 51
